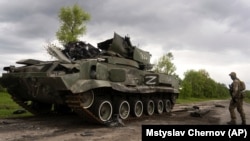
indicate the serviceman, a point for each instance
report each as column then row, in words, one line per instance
column 236, row 100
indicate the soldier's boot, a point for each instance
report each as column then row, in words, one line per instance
column 232, row 122
column 243, row 122
column 243, row 118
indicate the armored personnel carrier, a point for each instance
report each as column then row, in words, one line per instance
column 95, row 83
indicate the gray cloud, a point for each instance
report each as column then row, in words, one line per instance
column 209, row 33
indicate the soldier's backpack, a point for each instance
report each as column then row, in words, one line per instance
column 242, row 85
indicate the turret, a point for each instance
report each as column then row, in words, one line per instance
column 122, row 47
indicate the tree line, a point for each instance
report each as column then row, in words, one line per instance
column 196, row 83
column 199, row 84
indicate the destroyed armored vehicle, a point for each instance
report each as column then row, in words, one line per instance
column 114, row 79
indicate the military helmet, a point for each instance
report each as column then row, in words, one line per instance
column 233, row 74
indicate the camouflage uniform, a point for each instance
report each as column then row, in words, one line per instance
column 236, row 101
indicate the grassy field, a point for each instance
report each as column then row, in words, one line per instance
column 193, row 100
column 7, row 107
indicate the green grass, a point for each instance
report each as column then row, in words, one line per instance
column 193, row 100
column 247, row 100
column 8, row 106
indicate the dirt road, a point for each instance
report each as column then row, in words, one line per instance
column 72, row 128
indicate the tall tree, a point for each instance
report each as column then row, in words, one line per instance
column 165, row 64
column 199, row 84
column 72, row 23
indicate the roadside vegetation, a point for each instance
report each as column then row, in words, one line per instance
column 8, row 107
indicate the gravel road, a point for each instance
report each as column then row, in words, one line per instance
column 73, row 128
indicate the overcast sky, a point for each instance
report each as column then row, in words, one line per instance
column 202, row 34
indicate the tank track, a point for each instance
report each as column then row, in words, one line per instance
column 75, row 104
column 73, row 101
column 25, row 105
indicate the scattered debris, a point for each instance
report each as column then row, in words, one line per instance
column 199, row 112
column 80, row 50
column 116, row 122
column 196, row 107
column 4, row 122
column 20, row 111
column 87, row 133
column 219, row 105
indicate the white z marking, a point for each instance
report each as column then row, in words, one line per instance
column 151, row 79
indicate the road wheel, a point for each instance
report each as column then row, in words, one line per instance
column 123, row 109
column 149, row 107
column 103, row 110
column 168, row 105
column 137, row 108
column 87, row 99
column 159, row 106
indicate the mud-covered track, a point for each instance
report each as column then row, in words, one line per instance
column 127, row 108
column 74, row 102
